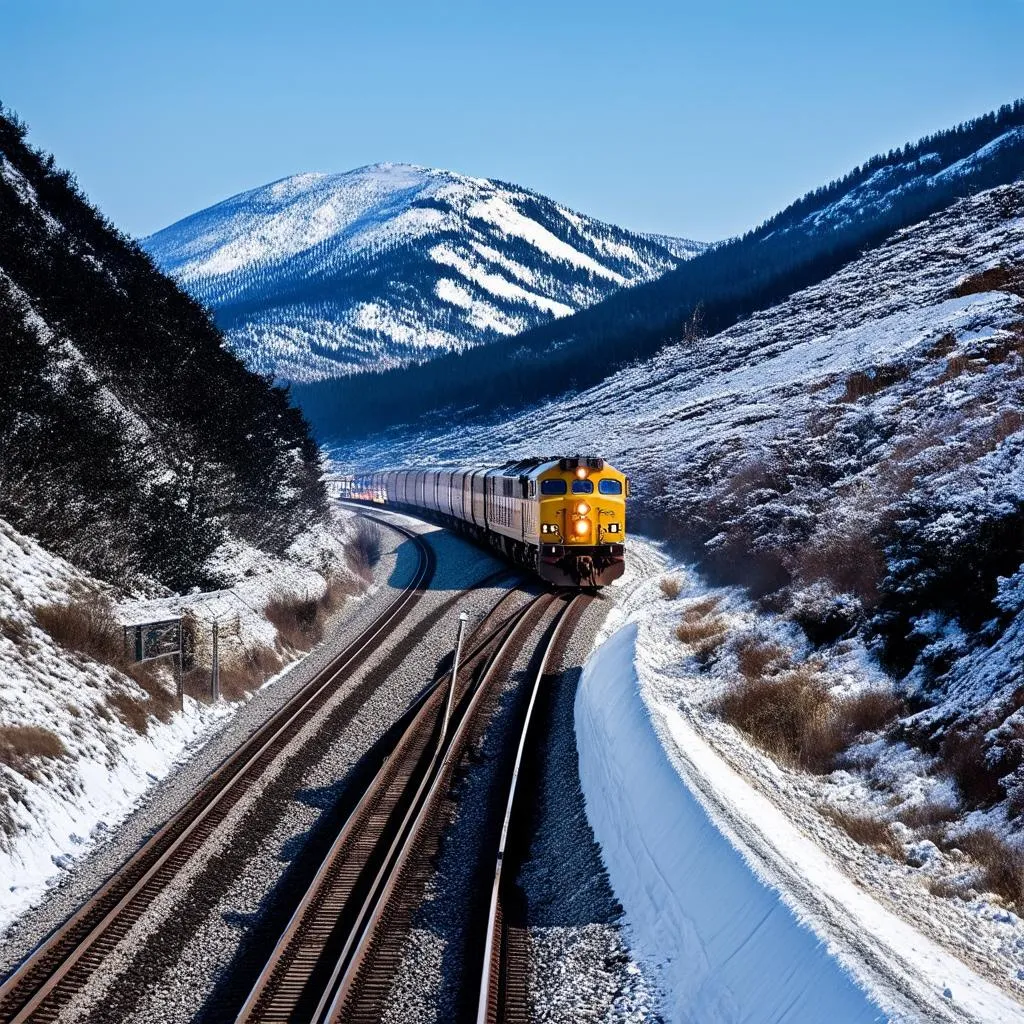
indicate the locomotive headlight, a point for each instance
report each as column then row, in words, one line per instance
column 582, row 526
column 581, row 472
column 582, row 508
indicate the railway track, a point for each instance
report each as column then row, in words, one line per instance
column 504, row 974
column 339, row 953
column 64, row 962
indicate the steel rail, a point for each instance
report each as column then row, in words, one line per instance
column 89, row 934
column 354, row 958
column 490, row 1009
column 286, row 981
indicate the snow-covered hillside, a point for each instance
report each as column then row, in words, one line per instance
column 82, row 739
column 320, row 275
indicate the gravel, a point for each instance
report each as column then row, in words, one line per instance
column 176, row 963
column 581, row 968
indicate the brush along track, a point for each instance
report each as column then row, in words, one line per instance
column 66, row 960
column 325, row 929
column 504, row 978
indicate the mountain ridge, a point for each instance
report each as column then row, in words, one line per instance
column 321, row 275
column 809, row 240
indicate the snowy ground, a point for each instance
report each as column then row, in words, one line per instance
column 55, row 809
column 743, row 899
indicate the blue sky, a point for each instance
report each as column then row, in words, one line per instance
column 695, row 119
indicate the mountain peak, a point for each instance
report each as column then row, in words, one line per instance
column 320, row 275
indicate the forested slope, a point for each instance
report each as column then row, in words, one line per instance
column 132, row 441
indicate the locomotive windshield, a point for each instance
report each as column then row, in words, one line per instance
column 552, row 487
column 583, row 487
column 609, row 486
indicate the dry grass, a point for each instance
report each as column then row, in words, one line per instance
column 946, row 888
column 867, row 829
column 860, row 384
column 958, row 364
column 300, row 621
column 868, row 711
column 790, row 716
column 133, row 713
column 701, row 629
column 297, row 620
column 995, row 279
column 88, row 627
column 793, row 717
column 20, row 745
column 670, row 587
column 1002, row 865
column 1009, row 422
column 943, row 346
column 755, row 657
column 13, row 629
column 364, row 547
column 928, row 815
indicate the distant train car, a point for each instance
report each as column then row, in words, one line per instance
column 565, row 518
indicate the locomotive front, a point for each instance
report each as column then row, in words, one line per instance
column 582, row 522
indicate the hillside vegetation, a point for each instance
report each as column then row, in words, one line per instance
column 132, row 441
column 799, row 247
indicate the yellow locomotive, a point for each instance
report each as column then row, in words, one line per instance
column 563, row 517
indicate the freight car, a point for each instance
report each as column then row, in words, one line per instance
column 564, row 518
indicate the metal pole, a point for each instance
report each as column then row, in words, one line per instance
column 179, row 678
column 215, row 672
column 463, row 617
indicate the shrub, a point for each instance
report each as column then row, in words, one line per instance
column 790, row 716
column 20, row 744
column 670, row 587
column 1002, row 865
column 702, row 630
column 364, row 548
column 964, row 758
column 847, row 559
column 867, row 829
column 754, row 656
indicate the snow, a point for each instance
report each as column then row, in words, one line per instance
column 497, row 211
column 739, row 912
column 56, row 809
column 495, row 283
column 331, row 266
column 724, row 946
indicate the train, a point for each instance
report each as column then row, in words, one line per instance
column 563, row 518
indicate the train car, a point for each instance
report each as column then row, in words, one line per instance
column 565, row 518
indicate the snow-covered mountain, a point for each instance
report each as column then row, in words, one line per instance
column 321, row 275
column 800, row 246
